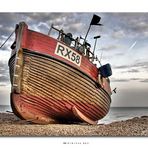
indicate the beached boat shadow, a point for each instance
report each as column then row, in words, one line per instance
column 10, row 118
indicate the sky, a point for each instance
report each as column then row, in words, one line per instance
column 123, row 44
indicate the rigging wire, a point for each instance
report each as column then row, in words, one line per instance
column 7, row 39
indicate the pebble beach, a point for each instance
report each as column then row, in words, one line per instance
column 11, row 126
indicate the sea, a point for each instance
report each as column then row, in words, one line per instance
column 114, row 114
column 123, row 113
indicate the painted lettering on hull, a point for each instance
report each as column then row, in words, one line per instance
column 68, row 54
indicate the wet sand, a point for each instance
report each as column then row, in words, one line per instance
column 10, row 125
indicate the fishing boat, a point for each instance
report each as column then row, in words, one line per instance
column 55, row 80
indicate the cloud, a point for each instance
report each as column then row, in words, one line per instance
column 133, row 68
column 4, row 78
column 126, row 25
column 70, row 22
column 136, row 79
column 4, row 73
column 132, row 71
column 121, row 67
column 3, row 84
column 119, row 34
column 143, row 66
column 110, row 47
column 119, row 80
column 9, row 20
column 116, row 25
column 144, row 80
column 130, row 97
column 67, row 21
column 119, row 54
column 3, row 66
column 121, row 24
column 6, row 48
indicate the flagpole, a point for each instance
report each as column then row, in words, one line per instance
column 95, row 20
column 86, row 34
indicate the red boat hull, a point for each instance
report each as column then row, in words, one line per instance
column 48, row 88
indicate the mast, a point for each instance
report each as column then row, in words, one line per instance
column 95, row 21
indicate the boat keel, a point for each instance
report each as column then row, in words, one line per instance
column 82, row 117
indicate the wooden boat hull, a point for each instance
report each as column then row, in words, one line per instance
column 49, row 86
column 50, row 90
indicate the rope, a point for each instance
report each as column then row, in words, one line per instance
column 7, row 39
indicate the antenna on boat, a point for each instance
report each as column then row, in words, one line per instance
column 95, row 21
column 96, row 37
column 50, row 29
column 98, row 60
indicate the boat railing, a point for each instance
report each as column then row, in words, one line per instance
column 84, row 48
